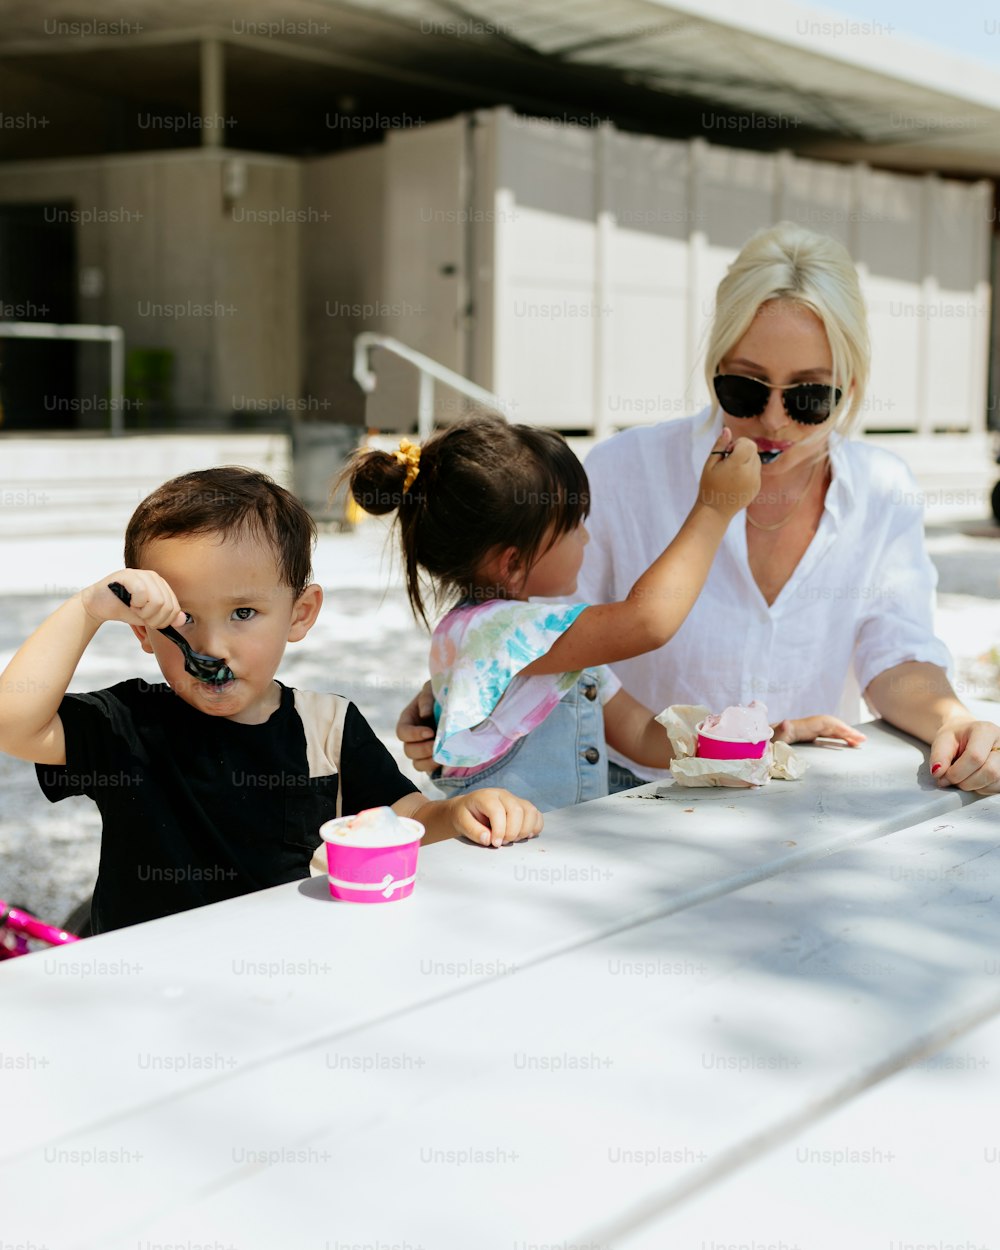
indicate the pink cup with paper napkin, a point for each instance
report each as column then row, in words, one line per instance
column 738, row 733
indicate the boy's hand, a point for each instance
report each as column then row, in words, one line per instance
column 494, row 817
column 731, row 477
column 154, row 604
column 809, row 728
column 34, row 682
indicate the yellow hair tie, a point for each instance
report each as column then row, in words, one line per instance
column 409, row 454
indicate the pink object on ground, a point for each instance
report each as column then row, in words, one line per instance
column 17, row 926
column 372, row 857
column 738, row 733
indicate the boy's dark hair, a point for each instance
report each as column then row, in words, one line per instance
column 483, row 485
column 234, row 502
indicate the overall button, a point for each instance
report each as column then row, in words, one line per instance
column 590, row 692
column 591, row 755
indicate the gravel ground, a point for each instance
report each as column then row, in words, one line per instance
column 365, row 646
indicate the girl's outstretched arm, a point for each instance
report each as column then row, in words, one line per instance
column 659, row 602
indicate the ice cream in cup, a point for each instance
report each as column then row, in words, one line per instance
column 738, row 733
column 372, row 857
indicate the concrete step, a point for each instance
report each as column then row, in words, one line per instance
column 91, row 485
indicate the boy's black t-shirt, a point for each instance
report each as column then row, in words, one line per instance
column 197, row 808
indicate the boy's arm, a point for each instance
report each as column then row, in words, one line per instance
column 659, row 602
column 34, row 682
column 489, row 816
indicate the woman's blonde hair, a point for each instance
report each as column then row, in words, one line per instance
column 789, row 262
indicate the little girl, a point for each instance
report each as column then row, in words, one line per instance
column 494, row 513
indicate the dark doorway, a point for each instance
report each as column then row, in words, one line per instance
column 37, row 283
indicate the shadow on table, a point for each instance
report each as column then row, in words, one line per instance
column 907, row 926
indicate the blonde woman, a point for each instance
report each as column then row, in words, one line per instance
column 823, row 588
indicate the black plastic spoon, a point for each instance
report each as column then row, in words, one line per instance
column 205, row 667
column 765, row 456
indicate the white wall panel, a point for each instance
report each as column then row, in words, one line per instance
column 343, row 293
column 546, row 320
column 957, row 305
column 646, row 224
column 819, row 195
column 593, row 258
column 890, row 247
column 546, row 300
column 424, row 244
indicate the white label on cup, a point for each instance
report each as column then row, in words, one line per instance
column 385, row 886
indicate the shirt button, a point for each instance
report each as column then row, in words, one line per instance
column 591, row 755
column 590, row 692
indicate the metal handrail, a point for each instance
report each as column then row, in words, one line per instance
column 430, row 372
column 114, row 336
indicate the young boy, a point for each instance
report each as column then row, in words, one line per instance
column 210, row 789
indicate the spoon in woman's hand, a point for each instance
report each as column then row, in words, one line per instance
column 205, row 667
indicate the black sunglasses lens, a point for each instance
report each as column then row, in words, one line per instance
column 740, row 397
column 810, row 403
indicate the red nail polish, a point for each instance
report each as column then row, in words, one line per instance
column 936, row 769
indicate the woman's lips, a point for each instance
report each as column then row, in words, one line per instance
column 769, row 450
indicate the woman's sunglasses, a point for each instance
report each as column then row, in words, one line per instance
column 807, row 402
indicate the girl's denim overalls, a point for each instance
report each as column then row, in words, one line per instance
column 563, row 761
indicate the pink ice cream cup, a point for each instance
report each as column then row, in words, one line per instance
column 372, row 857
column 738, row 733
column 710, row 748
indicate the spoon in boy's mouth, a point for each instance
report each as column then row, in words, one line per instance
column 205, row 667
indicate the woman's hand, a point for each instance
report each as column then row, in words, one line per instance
column 416, row 728
column 809, row 728
column 966, row 753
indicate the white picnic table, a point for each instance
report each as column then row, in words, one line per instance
column 680, row 1018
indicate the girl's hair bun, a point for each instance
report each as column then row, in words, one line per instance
column 474, row 487
column 375, row 480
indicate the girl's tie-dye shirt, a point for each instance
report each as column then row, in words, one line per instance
column 477, row 653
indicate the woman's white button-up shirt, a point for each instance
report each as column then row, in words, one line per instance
column 860, row 601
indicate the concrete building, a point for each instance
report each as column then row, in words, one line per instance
column 541, row 198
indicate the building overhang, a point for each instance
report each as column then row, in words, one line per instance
column 308, row 76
